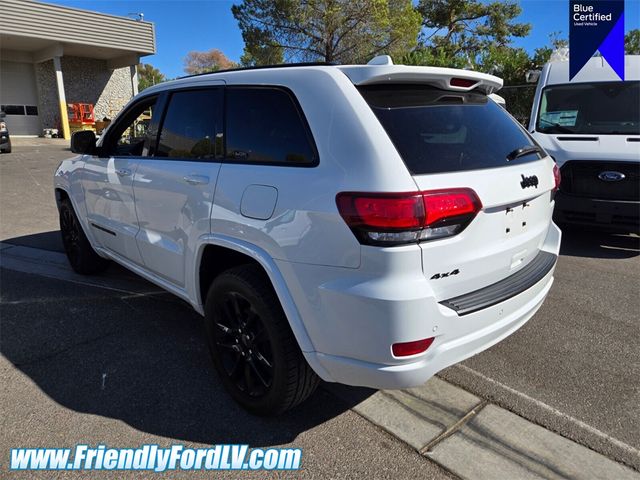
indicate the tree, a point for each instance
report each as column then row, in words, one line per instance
column 510, row 64
column 632, row 42
column 543, row 54
column 340, row 31
column 148, row 75
column 434, row 57
column 457, row 31
column 203, row 62
column 260, row 49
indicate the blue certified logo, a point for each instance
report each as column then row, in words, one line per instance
column 596, row 25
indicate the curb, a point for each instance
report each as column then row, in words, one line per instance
column 475, row 439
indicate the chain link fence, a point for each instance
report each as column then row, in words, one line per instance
column 519, row 99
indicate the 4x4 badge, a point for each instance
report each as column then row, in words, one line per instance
column 531, row 181
column 445, row 274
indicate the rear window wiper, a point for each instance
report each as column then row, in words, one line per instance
column 526, row 150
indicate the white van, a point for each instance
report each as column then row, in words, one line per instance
column 591, row 127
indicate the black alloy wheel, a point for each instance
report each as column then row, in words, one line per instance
column 82, row 257
column 245, row 349
column 70, row 231
column 252, row 346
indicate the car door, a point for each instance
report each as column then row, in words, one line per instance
column 108, row 181
column 175, row 184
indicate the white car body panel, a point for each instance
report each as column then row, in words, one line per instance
column 173, row 206
column 502, row 242
column 346, row 302
column 602, row 147
column 108, row 196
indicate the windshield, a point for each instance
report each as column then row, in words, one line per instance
column 437, row 131
column 605, row 108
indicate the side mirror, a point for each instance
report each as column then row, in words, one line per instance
column 83, row 142
column 2, row 115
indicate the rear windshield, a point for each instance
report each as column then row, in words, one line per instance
column 605, row 108
column 438, row 131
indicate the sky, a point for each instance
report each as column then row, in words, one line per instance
column 185, row 25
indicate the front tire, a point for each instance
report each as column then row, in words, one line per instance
column 252, row 346
column 82, row 257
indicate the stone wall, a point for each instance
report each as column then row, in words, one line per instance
column 86, row 80
column 48, row 109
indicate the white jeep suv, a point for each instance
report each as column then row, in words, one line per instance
column 365, row 224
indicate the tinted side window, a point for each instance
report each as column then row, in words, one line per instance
column 438, row 131
column 192, row 126
column 264, row 125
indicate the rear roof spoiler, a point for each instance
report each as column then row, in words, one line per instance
column 444, row 78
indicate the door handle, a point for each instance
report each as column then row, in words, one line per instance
column 196, row 179
column 123, row 172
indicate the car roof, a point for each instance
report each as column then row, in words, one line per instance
column 595, row 70
column 379, row 71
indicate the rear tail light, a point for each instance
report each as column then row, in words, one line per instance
column 556, row 177
column 388, row 219
column 411, row 348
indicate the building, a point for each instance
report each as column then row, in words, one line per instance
column 52, row 55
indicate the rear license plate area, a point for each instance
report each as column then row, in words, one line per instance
column 516, row 219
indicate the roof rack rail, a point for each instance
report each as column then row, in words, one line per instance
column 261, row 67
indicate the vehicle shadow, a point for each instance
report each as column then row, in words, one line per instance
column 593, row 244
column 51, row 241
column 138, row 358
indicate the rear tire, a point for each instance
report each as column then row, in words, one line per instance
column 82, row 257
column 252, row 346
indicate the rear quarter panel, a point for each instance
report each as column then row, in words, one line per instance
column 354, row 152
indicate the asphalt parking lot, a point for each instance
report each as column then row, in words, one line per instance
column 91, row 365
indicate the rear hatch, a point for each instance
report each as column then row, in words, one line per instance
column 452, row 140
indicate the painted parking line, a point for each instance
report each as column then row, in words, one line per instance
column 498, row 444
column 554, row 411
column 543, row 414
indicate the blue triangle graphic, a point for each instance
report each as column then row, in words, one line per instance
column 612, row 48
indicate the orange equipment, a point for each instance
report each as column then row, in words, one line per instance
column 81, row 114
column 81, row 117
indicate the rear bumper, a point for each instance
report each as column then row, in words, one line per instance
column 616, row 215
column 441, row 354
column 365, row 319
